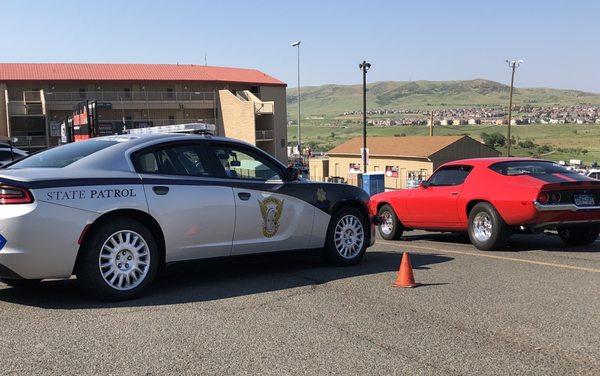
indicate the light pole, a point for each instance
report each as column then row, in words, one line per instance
column 513, row 65
column 297, row 45
column 364, row 66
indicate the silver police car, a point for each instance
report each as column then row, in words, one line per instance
column 115, row 210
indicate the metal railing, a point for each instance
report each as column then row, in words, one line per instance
column 32, row 96
column 24, row 109
column 264, row 135
column 30, row 143
column 130, row 96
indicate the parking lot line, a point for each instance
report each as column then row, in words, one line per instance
column 534, row 262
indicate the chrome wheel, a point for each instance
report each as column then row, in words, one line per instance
column 387, row 223
column 482, row 227
column 349, row 236
column 124, row 260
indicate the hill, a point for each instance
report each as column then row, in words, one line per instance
column 331, row 100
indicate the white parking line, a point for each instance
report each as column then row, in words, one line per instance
column 534, row 262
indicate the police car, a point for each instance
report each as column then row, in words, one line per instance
column 115, row 210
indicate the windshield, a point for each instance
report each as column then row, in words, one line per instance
column 62, row 156
column 529, row 168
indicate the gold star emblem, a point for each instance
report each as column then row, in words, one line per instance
column 321, row 195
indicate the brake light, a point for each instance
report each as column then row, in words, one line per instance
column 549, row 198
column 554, row 197
column 14, row 195
column 543, row 198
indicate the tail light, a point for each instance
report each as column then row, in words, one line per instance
column 549, row 198
column 14, row 195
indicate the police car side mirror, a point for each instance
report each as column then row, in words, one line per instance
column 291, row 174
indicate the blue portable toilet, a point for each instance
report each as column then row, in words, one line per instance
column 373, row 182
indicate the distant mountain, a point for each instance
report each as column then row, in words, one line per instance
column 335, row 99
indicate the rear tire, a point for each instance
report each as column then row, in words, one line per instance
column 579, row 236
column 119, row 260
column 390, row 227
column 347, row 237
column 487, row 230
column 20, row 282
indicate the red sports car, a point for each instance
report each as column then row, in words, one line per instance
column 493, row 198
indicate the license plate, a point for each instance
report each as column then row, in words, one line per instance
column 584, row 200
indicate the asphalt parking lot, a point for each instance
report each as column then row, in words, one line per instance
column 534, row 309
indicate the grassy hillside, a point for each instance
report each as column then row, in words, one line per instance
column 330, row 100
column 572, row 140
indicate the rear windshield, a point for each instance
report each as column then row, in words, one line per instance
column 529, row 168
column 63, row 155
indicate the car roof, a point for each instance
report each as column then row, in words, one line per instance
column 486, row 162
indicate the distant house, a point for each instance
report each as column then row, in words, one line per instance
column 401, row 158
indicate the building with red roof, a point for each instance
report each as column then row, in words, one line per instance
column 35, row 98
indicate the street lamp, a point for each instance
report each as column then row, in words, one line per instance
column 297, row 45
column 513, row 65
column 364, row 66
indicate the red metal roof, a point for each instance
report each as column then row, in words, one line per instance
column 131, row 72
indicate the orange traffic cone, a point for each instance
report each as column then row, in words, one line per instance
column 405, row 274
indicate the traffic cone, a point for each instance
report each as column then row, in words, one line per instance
column 405, row 274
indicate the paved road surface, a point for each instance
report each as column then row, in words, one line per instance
column 534, row 309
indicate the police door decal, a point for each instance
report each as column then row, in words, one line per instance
column 270, row 209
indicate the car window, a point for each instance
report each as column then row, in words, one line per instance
column 529, row 168
column 449, row 176
column 241, row 163
column 7, row 155
column 171, row 160
column 62, row 156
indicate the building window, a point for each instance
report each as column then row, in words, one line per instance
column 391, row 171
column 171, row 119
column 414, row 178
column 127, row 93
column 170, row 94
column 354, row 167
column 82, row 94
column 283, row 142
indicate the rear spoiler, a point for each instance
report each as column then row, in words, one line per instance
column 580, row 184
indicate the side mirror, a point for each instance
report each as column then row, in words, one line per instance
column 291, row 174
column 425, row 184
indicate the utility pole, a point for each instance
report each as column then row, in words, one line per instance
column 297, row 45
column 513, row 65
column 364, row 66
column 431, row 124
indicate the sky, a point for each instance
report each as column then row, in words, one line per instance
column 403, row 40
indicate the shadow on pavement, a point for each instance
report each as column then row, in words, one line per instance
column 518, row 243
column 219, row 279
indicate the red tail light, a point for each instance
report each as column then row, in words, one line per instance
column 543, row 198
column 14, row 195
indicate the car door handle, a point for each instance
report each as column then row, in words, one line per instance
column 453, row 193
column 160, row 190
column 244, row 196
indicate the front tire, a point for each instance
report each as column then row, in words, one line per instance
column 119, row 260
column 390, row 227
column 487, row 230
column 579, row 236
column 347, row 240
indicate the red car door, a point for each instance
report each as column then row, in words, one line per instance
column 435, row 203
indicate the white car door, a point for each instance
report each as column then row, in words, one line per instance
column 267, row 219
column 196, row 214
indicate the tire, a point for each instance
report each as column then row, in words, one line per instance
column 114, row 246
column 579, row 235
column 487, row 230
column 20, row 282
column 347, row 224
column 390, row 227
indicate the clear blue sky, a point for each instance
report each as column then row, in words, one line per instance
column 429, row 40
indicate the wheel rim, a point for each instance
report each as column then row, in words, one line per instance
column 124, row 260
column 482, row 227
column 349, row 236
column 387, row 223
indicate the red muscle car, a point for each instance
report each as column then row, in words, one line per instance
column 493, row 198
